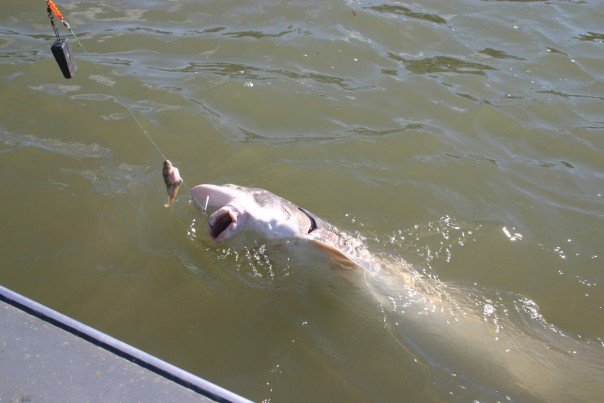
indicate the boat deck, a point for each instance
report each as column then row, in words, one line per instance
column 46, row 356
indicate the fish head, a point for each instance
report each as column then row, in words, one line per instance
column 233, row 209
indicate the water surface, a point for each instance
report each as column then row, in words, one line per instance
column 461, row 141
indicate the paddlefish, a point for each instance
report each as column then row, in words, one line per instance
column 233, row 209
column 525, row 357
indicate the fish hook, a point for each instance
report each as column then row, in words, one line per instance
column 205, row 206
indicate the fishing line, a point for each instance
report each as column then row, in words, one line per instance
column 119, row 98
column 67, row 64
column 53, row 12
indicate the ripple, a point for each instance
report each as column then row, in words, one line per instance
column 257, row 34
column 564, row 95
column 56, row 89
column 592, row 37
column 499, row 54
column 25, row 56
column 473, row 157
column 407, row 12
column 112, row 181
column 442, row 64
column 71, row 149
column 249, row 72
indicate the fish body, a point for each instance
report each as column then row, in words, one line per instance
column 440, row 322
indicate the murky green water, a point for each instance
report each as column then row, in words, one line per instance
column 464, row 138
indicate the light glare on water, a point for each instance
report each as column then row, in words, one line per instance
column 460, row 142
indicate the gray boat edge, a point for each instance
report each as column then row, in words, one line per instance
column 119, row 348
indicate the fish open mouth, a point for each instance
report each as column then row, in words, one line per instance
column 219, row 222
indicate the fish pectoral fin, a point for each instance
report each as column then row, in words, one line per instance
column 339, row 258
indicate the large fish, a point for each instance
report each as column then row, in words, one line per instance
column 529, row 359
column 233, row 209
